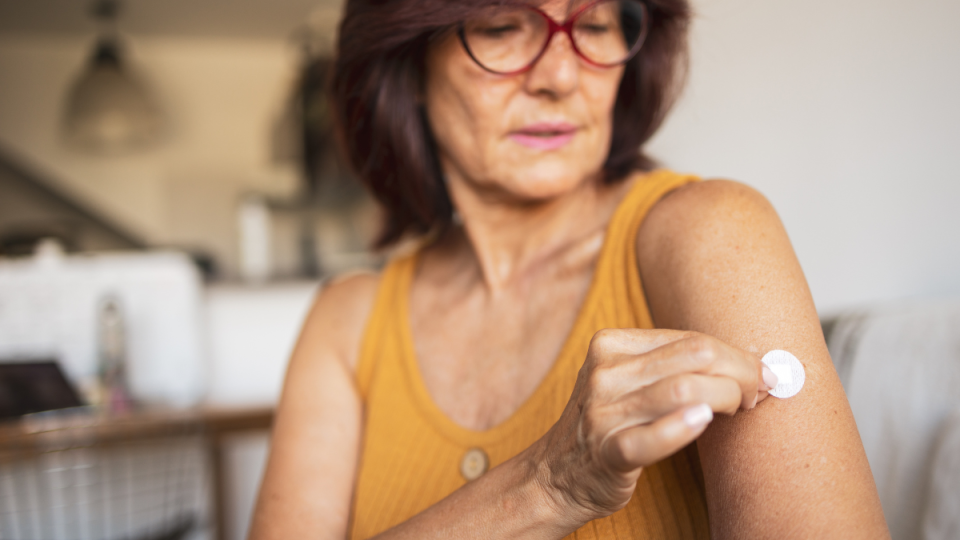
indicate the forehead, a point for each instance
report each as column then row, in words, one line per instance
column 559, row 10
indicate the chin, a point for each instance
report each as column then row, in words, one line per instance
column 546, row 181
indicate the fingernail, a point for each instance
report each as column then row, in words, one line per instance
column 769, row 378
column 698, row 416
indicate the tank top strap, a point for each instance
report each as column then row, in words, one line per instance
column 382, row 338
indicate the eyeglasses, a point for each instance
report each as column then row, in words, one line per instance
column 508, row 40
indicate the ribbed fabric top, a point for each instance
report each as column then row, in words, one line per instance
column 412, row 451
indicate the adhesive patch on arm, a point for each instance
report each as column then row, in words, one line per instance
column 789, row 372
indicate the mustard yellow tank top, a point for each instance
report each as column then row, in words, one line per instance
column 412, row 452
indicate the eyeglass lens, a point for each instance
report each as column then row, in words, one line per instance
column 509, row 39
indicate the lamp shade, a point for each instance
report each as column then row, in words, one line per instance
column 108, row 109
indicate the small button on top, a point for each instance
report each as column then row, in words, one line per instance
column 474, row 463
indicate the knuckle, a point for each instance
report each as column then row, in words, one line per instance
column 702, row 348
column 603, row 339
column 605, row 333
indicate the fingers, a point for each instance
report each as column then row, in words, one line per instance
column 722, row 394
column 620, row 372
column 703, row 354
column 645, row 445
column 631, row 341
column 663, row 398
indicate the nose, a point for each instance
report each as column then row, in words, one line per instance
column 557, row 72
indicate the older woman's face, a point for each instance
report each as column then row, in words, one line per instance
column 530, row 136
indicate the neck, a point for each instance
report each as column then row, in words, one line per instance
column 507, row 239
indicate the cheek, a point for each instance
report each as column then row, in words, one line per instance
column 600, row 93
column 464, row 110
column 460, row 116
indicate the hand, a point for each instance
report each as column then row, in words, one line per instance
column 640, row 396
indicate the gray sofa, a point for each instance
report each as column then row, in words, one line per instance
column 900, row 367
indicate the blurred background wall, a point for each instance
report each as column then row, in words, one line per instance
column 845, row 115
column 221, row 96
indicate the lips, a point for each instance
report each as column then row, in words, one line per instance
column 544, row 135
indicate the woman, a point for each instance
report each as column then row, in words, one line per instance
column 549, row 359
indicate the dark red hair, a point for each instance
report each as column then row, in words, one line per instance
column 379, row 72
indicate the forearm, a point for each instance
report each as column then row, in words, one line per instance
column 509, row 501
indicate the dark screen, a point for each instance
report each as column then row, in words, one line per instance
column 28, row 387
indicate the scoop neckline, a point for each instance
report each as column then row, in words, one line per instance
column 441, row 421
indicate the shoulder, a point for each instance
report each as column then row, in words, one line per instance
column 712, row 193
column 715, row 246
column 717, row 203
column 351, row 291
column 710, row 215
column 339, row 315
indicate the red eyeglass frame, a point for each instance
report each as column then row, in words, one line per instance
column 567, row 28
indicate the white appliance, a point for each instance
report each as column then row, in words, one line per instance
column 49, row 308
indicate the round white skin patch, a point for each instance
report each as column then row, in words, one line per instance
column 789, row 372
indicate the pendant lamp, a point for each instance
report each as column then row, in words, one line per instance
column 108, row 108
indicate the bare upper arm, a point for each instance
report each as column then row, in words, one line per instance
column 308, row 483
column 715, row 258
